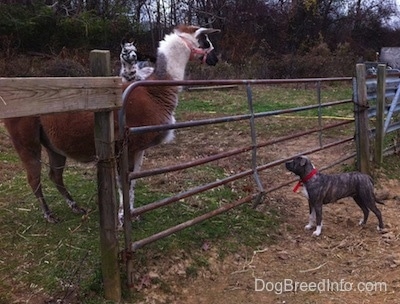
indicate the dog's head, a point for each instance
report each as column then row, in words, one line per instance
column 300, row 166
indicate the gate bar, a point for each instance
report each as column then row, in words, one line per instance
column 254, row 148
column 220, row 182
column 208, row 159
column 179, row 196
column 138, row 244
column 195, row 123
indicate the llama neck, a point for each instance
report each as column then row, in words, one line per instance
column 127, row 72
column 172, row 58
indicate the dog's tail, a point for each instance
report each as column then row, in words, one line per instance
column 376, row 200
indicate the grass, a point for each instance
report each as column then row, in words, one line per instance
column 391, row 166
column 264, row 99
column 63, row 260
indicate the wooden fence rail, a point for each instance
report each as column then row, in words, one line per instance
column 36, row 96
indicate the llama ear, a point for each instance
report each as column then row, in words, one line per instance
column 206, row 31
column 123, row 41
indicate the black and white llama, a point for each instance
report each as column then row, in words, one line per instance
column 131, row 69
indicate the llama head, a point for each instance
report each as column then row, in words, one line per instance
column 128, row 52
column 196, row 39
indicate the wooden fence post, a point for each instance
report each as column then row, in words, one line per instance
column 104, row 139
column 380, row 115
column 361, row 112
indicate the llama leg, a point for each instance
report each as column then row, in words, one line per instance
column 137, row 167
column 33, row 169
column 121, row 201
column 33, row 175
column 57, row 165
column 137, row 164
column 25, row 135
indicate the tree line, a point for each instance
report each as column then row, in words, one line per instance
column 278, row 38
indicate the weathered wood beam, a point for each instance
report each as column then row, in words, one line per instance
column 46, row 95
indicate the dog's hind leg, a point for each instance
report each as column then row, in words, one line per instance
column 364, row 209
column 366, row 205
column 378, row 214
column 57, row 165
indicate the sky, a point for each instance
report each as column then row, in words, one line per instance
column 396, row 20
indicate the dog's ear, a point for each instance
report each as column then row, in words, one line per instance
column 303, row 161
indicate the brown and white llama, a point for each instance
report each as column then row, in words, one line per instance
column 72, row 134
column 131, row 70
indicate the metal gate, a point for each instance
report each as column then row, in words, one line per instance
column 253, row 171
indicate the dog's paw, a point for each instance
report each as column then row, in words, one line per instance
column 308, row 227
column 317, row 231
column 361, row 222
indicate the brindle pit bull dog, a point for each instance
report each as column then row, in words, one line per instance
column 324, row 189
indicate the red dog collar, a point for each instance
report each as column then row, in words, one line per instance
column 304, row 180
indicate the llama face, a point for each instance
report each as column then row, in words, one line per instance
column 128, row 52
column 210, row 56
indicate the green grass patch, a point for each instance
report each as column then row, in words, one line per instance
column 64, row 258
column 391, row 166
column 230, row 230
column 265, row 98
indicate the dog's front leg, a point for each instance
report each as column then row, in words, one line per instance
column 318, row 214
column 311, row 217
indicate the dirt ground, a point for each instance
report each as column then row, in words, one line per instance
column 346, row 264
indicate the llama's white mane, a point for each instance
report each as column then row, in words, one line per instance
column 173, row 48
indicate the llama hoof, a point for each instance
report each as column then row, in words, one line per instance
column 137, row 218
column 50, row 218
column 78, row 210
